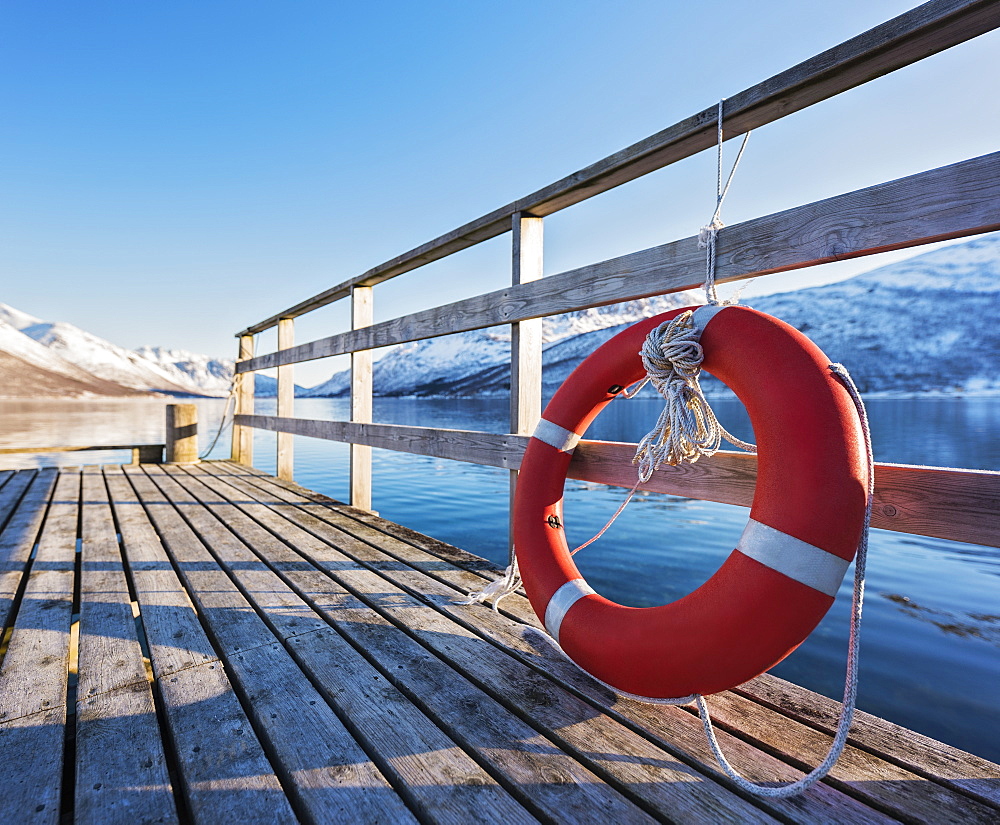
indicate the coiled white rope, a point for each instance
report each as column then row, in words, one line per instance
column 687, row 427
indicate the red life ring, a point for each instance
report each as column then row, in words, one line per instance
column 804, row 528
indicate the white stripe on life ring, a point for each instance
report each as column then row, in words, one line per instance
column 702, row 315
column 556, row 436
column 810, row 565
column 560, row 603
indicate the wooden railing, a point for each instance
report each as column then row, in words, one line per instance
column 951, row 202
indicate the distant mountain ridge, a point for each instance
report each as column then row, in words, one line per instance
column 39, row 358
column 927, row 324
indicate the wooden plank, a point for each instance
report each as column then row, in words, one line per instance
column 10, row 494
column 242, row 449
column 31, row 770
column 34, row 676
column 440, row 780
column 460, row 445
column 121, row 771
column 252, row 577
column 959, row 505
column 360, row 481
column 326, row 774
column 873, row 776
column 949, row 202
column 286, row 401
column 18, row 537
column 673, row 729
column 114, row 698
column 622, row 758
column 870, row 778
column 925, row 30
column 226, row 775
column 971, row 774
column 174, row 634
column 525, row 342
column 76, row 449
column 110, row 654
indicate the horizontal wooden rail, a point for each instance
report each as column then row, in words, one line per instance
column 919, row 33
column 141, row 453
column 19, row 450
column 949, row 202
column 960, row 505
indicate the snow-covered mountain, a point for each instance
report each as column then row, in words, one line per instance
column 211, row 375
column 104, row 359
column 28, row 368
column 930, row 323
column 42, row 358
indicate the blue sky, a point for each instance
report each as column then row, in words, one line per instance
column 172, row 172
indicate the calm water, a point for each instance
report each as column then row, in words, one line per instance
column 930, row 654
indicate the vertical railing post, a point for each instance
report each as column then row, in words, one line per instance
column 361, row 400
column 286, row 400
column 182, row 434
column 242, row 451
column 525, row 340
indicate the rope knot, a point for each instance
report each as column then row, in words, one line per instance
column 708, row 233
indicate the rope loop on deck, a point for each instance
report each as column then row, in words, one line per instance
column 851, row 677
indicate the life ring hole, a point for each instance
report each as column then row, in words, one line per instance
column 662, row 546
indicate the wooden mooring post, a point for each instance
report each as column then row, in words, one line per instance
column 182, row 434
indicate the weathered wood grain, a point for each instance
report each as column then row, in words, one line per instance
column 872, row 779
column 440, row 779
column 673, row 729
column 175, row 636
column 242, row 447
column 226, row 776
column 31, row 768
column 182, row 433
column 110, row 654
column 949, row 202
column 121, row 771
column 34, row 675
column 919, row 756
column 321, row 766
column 948, row 765
column 656, row 778
column 525, row 341
column 286, row 401
column 918, row 33
column 78, row 448
column 19, row 534
column 960, row 505
column 460, row 445
column 360, row 478
column 114, row 697
column 10, row 494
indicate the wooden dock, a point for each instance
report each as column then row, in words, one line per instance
column 210, row 644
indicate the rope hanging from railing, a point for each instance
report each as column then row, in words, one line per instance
column 234, row 387
column 708, row 234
